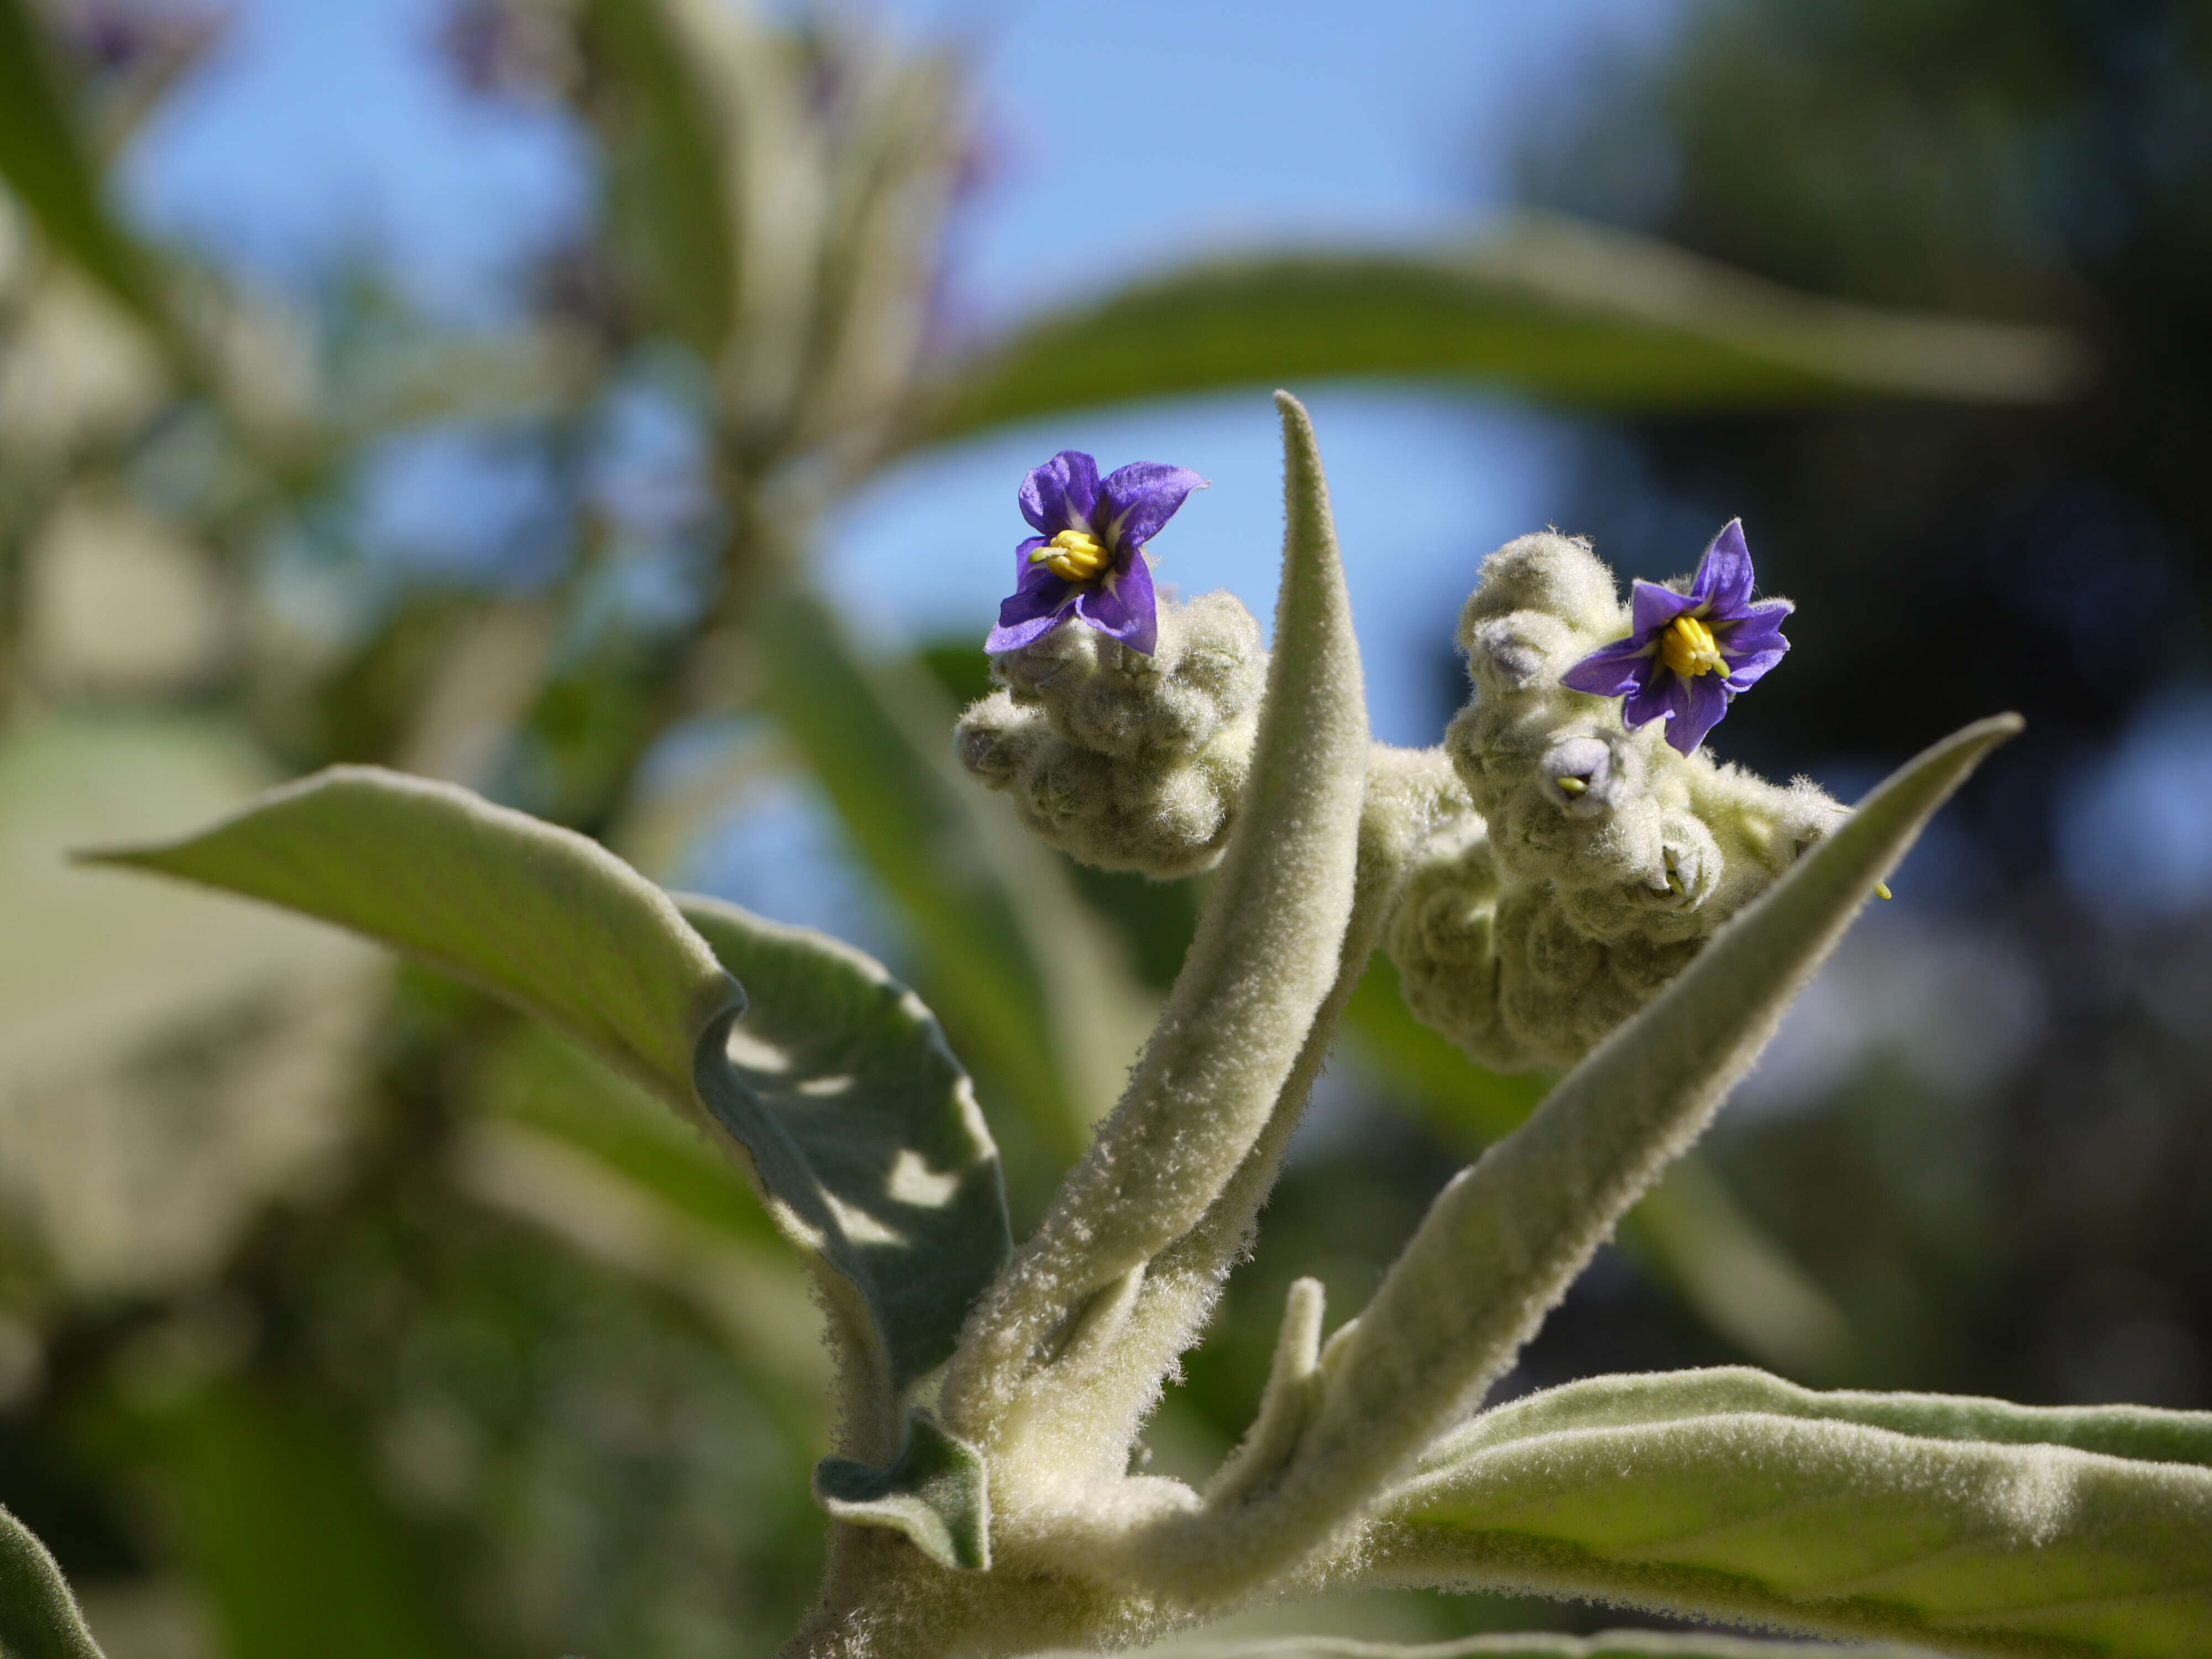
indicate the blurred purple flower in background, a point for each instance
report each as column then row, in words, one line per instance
column 1691, row 652
column 1086, row 560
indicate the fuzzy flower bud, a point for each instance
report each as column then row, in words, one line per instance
column 1608, row 855
column 1124, row 760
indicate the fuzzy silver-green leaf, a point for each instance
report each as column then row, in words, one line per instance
column 39, row 1617
column 1972, row 1525
column 834, row 1090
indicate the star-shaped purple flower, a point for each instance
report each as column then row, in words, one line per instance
column 1085, row 561
column 1691, row 652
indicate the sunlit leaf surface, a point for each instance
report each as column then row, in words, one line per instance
column 1970, row 1525
column 833, row 1086
column 1611, row 1645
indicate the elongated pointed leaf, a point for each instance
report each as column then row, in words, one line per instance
column 1267, row 943
column 1568, row 313
column 1504, row 1240
column 1612, row 1645
column 1730, row 1494
column 39, row 1617
column 2143, row 1433
column 1236, row 1028
column 938, row 1493
column 45, row 160
column 544, row 918
column 836, row 1092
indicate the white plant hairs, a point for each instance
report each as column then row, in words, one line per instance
column 1556, row 889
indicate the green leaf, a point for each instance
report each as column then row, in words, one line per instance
column 938, row 1494
column 535, row 914
column 1008, row 952
column 836, row 1091
column 1567, row 312
column 672, row 169
column 1265, row 955
column 1250, row 1008
column 44, row 160
column 1504, row 1240
column 39, row 1617
column 2143, row 1432
column 1610, row 1645
column 1972, row 1525
column 862, row 1125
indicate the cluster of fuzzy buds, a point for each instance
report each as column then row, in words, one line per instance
column 1549, row 870
column 1126, row 761
column 1595, row 857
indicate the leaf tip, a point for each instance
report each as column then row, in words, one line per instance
column 121, row 855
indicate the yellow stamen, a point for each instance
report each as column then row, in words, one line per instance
column 1073, row 555
column 1571, row 786
column 1688, row 648
column 1881, row 891
column 1691, row 649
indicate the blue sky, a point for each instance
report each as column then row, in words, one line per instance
column 1123, row 138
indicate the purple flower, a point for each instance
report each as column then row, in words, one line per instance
column 1691, row 652
column 1084, row 560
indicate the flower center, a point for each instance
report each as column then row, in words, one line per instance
column 1689, row 649
column 1073, row 555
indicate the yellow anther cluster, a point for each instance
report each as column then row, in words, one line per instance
column 1688, row 648
column 1073, row 555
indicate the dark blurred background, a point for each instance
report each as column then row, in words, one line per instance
column 339, row 1314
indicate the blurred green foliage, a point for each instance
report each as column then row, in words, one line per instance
column 339, row 1312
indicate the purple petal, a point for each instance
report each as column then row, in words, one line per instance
column 1031, row 612
column 1746, row 672
column 1653, row 607
column 1062, row 494
column 1722, row 584
column 1754, row 645
column 1758, row 627
column 1613, row 670
column 1658, row 696
column 1136, row 500
column 1705, row 700
column 1124, row 606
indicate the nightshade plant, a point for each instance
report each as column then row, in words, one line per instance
column 1691, row 650
column 1554, row 882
